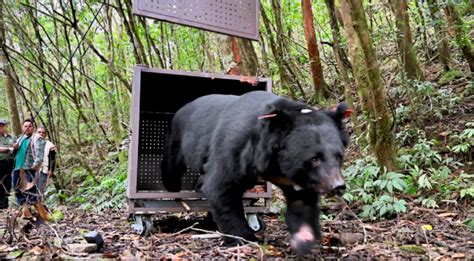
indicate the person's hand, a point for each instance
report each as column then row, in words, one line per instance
column 15, row 145
column 35, row 168
column 50, row 174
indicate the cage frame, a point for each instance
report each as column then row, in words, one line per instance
column 153, row 202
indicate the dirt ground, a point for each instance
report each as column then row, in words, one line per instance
column 420, row 233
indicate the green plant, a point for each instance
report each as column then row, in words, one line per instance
column 449, row 76
column 375, row 187
column 103, row 192
column 382, row 206
column 464, row 142
column 427, row 100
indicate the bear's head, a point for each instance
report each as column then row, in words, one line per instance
column 307, row 145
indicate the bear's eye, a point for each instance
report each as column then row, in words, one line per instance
column 316, row 161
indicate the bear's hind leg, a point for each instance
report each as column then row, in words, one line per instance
column 228, row 211
column 172, row 165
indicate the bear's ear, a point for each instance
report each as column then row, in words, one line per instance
column 342, row 111
column 276, row 119
column 279, row 115
column 338, row 113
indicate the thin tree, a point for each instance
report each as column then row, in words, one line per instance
column 341, row 58
column 8, row 79
column 320, row 86
column 405, row 41
column 440, row 29
column 372, row 95
column 278, row 54
column 462, row 37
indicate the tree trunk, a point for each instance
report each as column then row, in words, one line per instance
column 339, row 54
column 249, row 64
column 238, row 56
column 405, row 41
column 422, row 29
column 462, row 37
column 320, row 86
column 277, row 53
column 8, row 79
column 115, row 122
column 443, row 46
column 369, row 82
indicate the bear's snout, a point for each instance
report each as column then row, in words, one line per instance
column 331, row 182
column 339, row 190
column 337, row 184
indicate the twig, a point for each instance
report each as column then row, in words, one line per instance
column 11, row 223
column 179, row 232
column 205, row 236
column 358, row 219
column 188, row 251
column 441, row 243
column 75, row 254
column 57, row 235
column 232, row 236
column 427, row 244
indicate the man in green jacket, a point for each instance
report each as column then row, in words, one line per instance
column 29, row 157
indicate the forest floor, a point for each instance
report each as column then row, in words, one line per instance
column 420, row 233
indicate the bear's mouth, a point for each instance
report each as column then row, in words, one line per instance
column 328, row 192
column 283, row 181
column 317, row 187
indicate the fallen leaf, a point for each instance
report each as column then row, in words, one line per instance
column 458, row 255
column 444, row 133
column 358, row 248
column 414, row 249
column 447, row 214
column 127, row 254
column 15, row 254
column 271, row 250
column 3, row 247
column 374, row 228
column 180, row 254
column 427, row 227
column 37, row 250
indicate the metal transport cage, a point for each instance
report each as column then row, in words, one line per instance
column 231, row 17
column 157, row 94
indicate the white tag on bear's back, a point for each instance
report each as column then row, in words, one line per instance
column 305, row 111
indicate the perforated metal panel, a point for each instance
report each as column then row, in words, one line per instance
column 153, row 128
column 232, row 17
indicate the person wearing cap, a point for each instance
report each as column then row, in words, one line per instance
column 6, row 163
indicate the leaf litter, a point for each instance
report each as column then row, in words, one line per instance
column 420, row 233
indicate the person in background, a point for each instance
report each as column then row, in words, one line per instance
column 6, row 163
column 29, row 157
column 49, row 160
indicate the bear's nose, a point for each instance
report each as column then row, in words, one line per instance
column 339, row 189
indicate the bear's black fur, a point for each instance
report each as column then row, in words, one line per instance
column 234, row 140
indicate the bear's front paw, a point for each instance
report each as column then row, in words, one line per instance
column 303, row 241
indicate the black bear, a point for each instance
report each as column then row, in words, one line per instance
column 234, row 140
